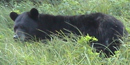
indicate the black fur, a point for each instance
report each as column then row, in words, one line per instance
column 104, row 27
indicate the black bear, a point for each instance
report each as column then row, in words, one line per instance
column 107, row 29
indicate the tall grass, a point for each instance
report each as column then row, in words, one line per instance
column 57, row 51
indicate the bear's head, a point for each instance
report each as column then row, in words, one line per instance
column 25, row 24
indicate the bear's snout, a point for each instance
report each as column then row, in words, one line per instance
column 15, row 37
column 19, row 35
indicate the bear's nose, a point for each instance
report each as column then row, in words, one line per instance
column 15, row 37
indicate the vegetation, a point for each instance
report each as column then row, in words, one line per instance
column 68, row 50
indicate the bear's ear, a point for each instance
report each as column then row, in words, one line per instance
column 13, row 15
column 34, row 13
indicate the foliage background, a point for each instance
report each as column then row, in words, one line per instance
column 57, row 51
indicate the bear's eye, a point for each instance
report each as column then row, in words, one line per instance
column 16, row 27
column 22, row 27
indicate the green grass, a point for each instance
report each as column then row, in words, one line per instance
column 57, row 51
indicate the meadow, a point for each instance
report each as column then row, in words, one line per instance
column 56, row 51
